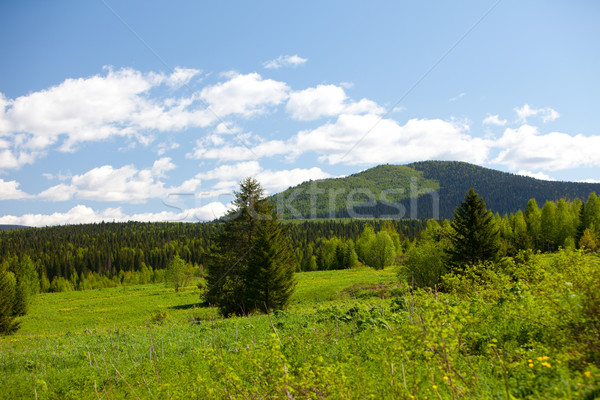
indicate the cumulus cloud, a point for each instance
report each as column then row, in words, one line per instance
column 162, row 148
column 105, row 183
column 229, row 176
column 9, row 190
column 537, row 175
column 82, row 214
column 526, row 148
column 126, row 103
column 285, row 61
column 494, row 120
column 372, row 140
column 589, row 180
column 547, row 114
column 216, row 148
column 245, row 95
column 326, row 100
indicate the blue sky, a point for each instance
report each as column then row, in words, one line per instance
column 153, row 111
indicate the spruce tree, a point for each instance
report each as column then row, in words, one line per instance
column 475, row 236
column 269, row 275
column 250, row 227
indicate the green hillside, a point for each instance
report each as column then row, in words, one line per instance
column 386, row 191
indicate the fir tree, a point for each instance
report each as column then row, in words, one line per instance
column 475, row 235
column 231, row 287
column 269, row 275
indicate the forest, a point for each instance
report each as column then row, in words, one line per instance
column 76, row 257
column 480, row 306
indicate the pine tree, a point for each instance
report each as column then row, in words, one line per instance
column 475, row 236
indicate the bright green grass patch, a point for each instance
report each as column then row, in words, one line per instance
column 134, row 306
column 319, row 286
column 523, row 330
column 122, row 307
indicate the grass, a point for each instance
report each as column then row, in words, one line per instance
column 134, row 306
column 530, row 338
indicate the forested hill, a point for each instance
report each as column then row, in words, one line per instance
column 503, row 192
column 9, row 227
column 389, row 189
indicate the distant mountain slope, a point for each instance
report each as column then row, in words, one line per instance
column 422, row 190
column 503, row 192
column 8, row 227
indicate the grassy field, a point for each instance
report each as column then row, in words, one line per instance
column 347, row 334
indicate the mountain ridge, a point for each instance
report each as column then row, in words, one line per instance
column 424, row 189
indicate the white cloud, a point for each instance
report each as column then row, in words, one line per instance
column 9, row 190
column 181, row 76
column 326, row 100
column 214, row 147
column 126, row 184
column 227, row 128
column 232, row 171
column 537, row 175
column 285, row 61
column 276, row 181
column 457, row 97
column 245, row 95
column 547, row 114
column 162, row 148
column 494, row 120
column 526, row 148
column 81, row 214
column 589, row 180
column 372, row 140
column 126, row 103
column 229, row 176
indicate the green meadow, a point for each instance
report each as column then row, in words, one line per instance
column 524, row 329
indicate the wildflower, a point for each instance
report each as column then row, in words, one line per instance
column 434, row 387
column 530, row 365
column 547, row 365
column 446, row 378
column 587, row 374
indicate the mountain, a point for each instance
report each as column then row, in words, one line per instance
column 9, row 227
column 420, row 190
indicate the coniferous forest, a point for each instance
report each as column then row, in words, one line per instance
column 482, row 305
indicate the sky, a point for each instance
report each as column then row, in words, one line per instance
column 154, row 111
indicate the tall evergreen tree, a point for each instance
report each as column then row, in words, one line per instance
column 475, row 236
column 247, row 229
column 270, row 273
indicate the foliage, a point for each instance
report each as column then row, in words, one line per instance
column 474, row 235
column 269, row 278
column 391, row 188
column 251, row 264
column 425, row 264
column 527, row 329
column 179, row 273
column 8, row 324
column 376, row 250
column 503, row 192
